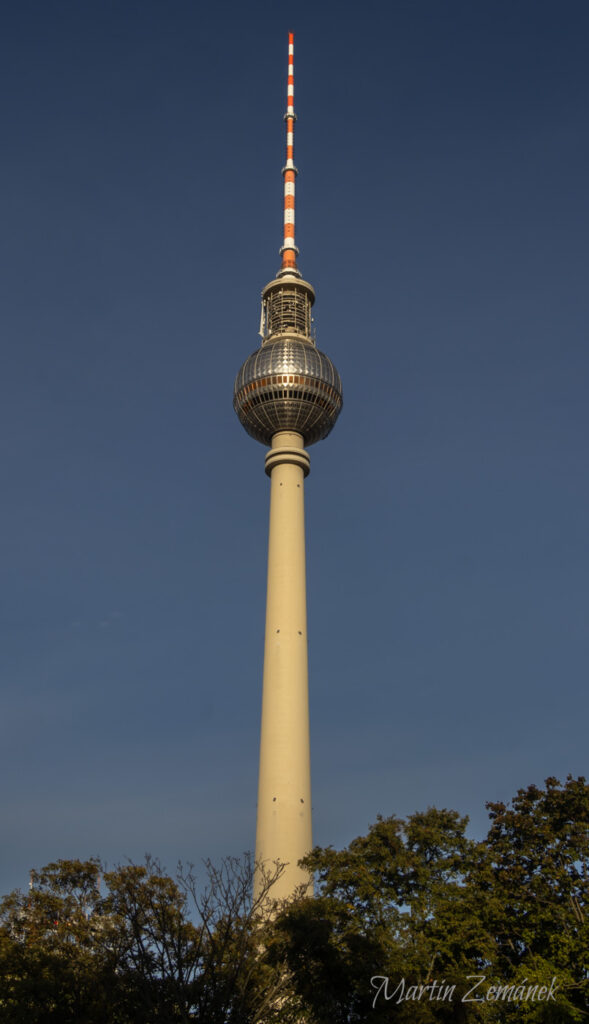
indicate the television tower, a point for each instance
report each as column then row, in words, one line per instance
column 287, row 395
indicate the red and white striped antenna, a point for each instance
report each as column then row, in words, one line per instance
column 289, row 251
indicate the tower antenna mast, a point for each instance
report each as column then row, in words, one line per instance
column 289, row 251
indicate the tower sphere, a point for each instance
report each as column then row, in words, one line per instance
column 288, row 384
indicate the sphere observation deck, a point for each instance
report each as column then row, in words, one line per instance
column 287, row 384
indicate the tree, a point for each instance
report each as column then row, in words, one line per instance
column 393, row 905
column 151, row 949
column 187, row 952
column 51, row 965
column 431, row 914
column 534, row 873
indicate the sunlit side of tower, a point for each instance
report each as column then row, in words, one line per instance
column 287, row 395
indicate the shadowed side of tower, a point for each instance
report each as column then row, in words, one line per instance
column 287, row 395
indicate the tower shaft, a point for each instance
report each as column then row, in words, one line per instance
column 284, row 791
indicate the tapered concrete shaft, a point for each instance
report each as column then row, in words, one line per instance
column 284, row 791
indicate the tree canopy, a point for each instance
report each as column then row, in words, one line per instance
column 414, row 921
column 432, row 913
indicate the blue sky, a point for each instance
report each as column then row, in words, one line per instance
column 442, row 217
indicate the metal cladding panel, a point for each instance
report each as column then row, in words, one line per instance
column 288, row 384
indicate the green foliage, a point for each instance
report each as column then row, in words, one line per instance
column 394, row 904
column 414, row 922
column 151, row 949
column 534, row 872
column 50, row 957
column 418, row 903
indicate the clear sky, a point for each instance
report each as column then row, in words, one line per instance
column 442, row 216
